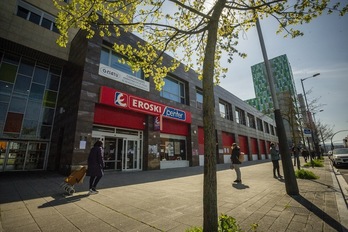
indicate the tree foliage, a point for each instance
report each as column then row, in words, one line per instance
column 196, row 33
column 175, row 24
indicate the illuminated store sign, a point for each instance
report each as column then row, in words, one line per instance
column 122, row 77
column 117, row 98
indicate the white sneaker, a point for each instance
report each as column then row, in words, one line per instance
column 91, row 192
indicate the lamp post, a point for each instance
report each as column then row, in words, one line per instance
column 308, row 112
column 289, row 174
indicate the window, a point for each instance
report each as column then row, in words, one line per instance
column 174, row 90
column 112, row 59
column 199, row 99
column 225, row 110
column 240, row 116
column 35, row 15
column 272, row 130
column 173, row 149
column 251, row 121
column 28, row 96
column 259, row 124
column 266, row 128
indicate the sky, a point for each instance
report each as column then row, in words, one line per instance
column 323, row 49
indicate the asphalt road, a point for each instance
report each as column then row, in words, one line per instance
column 344, row 172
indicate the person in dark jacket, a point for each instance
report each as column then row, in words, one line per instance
column 235, row 161
column 296, row 151
column 275, row 160
column 95, row 166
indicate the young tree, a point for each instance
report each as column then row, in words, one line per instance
column 199, row 28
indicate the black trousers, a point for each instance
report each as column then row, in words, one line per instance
column 275, row 167
column 93, row 181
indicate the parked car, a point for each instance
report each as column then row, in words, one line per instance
column 340, row 157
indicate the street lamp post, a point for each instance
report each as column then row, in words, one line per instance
column 289, row 174
column 308, row 112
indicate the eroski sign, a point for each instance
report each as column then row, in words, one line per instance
column 117, row 98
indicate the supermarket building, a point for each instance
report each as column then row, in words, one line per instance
column 56, row 102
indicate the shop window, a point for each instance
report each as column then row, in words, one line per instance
column 112, row 59
column 8, row 72
column 174, row 90
column 199, row 99
column 173, row 149
column 225, row 110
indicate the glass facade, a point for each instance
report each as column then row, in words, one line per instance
column 28, row 98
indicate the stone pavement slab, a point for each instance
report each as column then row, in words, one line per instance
column 171, row 200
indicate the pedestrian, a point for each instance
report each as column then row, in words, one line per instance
column 305, row 154
column 95, row 166
column 275, row 160
column 296, row 153
column 235, row 161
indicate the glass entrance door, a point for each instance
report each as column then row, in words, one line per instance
column 131, row 155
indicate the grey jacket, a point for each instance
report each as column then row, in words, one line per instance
column 274, row 154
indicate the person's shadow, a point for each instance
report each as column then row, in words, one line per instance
column 62, row 199
column 240, row 186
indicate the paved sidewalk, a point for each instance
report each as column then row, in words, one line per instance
column 171, row 200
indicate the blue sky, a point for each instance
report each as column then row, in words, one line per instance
column 323, row 49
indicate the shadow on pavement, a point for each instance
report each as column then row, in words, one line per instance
column 240, row 186
column 61, row 199
column 319, row 213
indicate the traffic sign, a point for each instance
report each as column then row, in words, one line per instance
column 307, row 132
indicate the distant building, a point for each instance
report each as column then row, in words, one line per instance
column 286, row 93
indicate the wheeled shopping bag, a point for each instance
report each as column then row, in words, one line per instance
column 75, row 177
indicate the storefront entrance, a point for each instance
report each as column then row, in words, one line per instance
column 122, row 148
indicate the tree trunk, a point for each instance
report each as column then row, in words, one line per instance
column 210, row 215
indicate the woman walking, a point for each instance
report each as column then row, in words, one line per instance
column 95, row 166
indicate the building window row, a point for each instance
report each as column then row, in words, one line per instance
column 37, row 16
column 175, row 90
